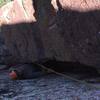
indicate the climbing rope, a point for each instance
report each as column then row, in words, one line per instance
column 67, row 76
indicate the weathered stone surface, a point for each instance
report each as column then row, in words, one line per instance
column 49, row 87
column 66, row 30
column 10, row 15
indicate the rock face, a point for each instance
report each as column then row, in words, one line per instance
column 65, row 30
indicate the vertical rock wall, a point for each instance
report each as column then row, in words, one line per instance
column 65, row 30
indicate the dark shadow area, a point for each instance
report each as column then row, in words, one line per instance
column 77, row 69
column 76, row 38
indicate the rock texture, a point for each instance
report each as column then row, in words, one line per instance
column 49, row 87
column 62, row 30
